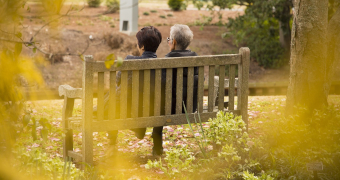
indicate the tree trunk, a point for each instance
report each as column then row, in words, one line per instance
column 308, row 67
column 333, row 45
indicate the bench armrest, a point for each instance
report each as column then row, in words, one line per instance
column 70, row 92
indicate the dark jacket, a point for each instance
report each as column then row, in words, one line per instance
column 182, row 53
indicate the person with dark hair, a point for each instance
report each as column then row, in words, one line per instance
column 148, row 40
column 180, row 38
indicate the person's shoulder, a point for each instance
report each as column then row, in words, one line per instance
column 178, row 53
column 133, row 57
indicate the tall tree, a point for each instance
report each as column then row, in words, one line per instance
column 313, row 54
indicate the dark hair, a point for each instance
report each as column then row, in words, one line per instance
column 150, row 38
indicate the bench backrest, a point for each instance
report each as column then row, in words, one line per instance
column 239, row 61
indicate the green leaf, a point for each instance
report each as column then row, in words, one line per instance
column 81, row 57
column 26, row 119
column 18, row 35
column 34, row 50
column 44, row 133
column 18, row 48
column 119, row 62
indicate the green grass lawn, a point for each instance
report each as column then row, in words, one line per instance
column 132, row 154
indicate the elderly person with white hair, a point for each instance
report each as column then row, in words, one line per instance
column 179, row 40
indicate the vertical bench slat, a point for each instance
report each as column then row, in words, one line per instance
column 112, row 100
column 135, row 94
column 157, row 103
column 146, row 93
column 200, row 89
column 221, row 90
column 231, row 90
column 100, row 97
column 211, row 89
column 179, row 91
column 123, row 95
column 190, row 89
column 168, row 91
column 242, row 88
column 87, row 114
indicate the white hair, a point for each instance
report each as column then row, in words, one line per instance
column 182, row 34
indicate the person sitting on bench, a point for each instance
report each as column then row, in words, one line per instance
column 148, row 40
column 180, row 38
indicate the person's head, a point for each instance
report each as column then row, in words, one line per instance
column 180, row 37
column 148, row 39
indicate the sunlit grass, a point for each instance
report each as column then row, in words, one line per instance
column 134, row 152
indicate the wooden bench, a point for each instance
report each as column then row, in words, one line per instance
column 87, row 124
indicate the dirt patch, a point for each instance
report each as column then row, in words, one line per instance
column 84, row 32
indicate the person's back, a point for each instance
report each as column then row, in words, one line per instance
column 180, row 38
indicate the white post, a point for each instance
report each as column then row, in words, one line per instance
column 128, row 17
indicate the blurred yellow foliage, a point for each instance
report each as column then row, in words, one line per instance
column 15, row 68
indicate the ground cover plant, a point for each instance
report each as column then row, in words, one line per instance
column 275, row 147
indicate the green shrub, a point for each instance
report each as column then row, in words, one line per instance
column 169, row 15
column 112, row 5
column 198, row 4
column 94, row 3
column 175, row 4
column 153, row 11
column 306, row 137
column 162, row 16
column 259, row 29
column 146, row 13
column 178, row 160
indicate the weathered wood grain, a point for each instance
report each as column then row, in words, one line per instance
column 200, row 89
column 211, row 87
column 112, row 98
column 221, row 88
column 190, row 89
column 87, row 113
column 174, row 62
column 157, row 103
column 100, row 97
column 242, row 91
column 135, row 94
column 231, row 90
column 146, row 94
column 74, row 155
column 168, row 91
column 123, row 94
column 66, row 114
column 179, row 91
column 154, row 121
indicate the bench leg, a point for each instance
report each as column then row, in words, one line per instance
column 68, row 139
